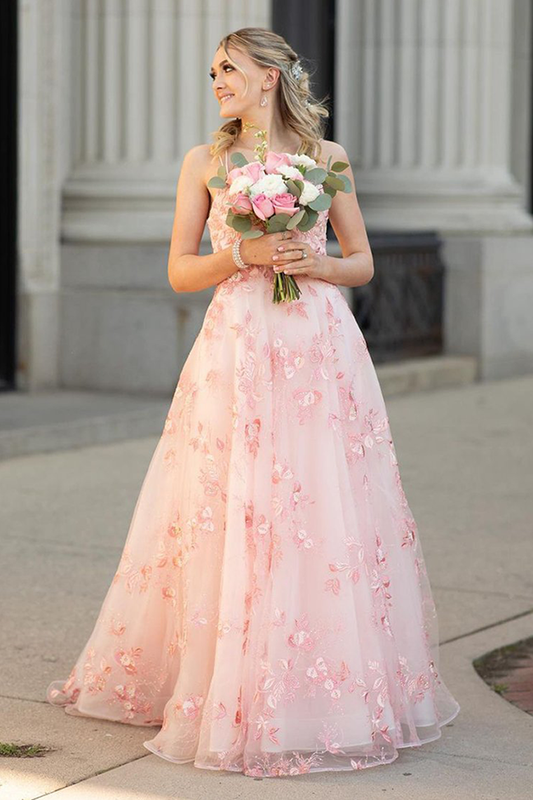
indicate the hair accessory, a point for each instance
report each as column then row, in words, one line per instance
column 236, row 253
column 296, row 69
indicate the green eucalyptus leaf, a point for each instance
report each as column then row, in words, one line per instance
column 329, row 190
column 316, row 175
column 278, row 222
column 216, row 182
column 347, row 183
column 295, row 219
column 254, row 233
column 309, row 220
column 320, row 203
column 294, row 186
column 221, row 171
column 335, row 182
column 338, row 166
column 239, row 159
column 241, row 223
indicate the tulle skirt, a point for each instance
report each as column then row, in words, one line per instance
column 271, row 611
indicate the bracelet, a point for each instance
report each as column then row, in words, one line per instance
column 236, row 253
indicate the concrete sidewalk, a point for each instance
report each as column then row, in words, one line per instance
column 466, row 462
column 60, row 419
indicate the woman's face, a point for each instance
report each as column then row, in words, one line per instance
column 227, row 80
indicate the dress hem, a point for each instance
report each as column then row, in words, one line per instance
column 339, row 768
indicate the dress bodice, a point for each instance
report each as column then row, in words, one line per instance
column 223, row 236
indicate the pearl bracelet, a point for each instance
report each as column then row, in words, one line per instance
column 236, row 252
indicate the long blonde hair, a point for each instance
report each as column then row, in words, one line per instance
column 299, row 110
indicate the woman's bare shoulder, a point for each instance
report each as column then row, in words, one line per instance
column 331, row 148
column 199, row 160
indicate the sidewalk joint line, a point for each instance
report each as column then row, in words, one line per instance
column 487, row 627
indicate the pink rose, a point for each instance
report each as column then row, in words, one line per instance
column 236, row 172
column 242, row 204
column 262, row 206
column 274, row 160
column 253, row 170
column 284, row 204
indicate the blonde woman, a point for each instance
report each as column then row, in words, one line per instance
column 271, row 612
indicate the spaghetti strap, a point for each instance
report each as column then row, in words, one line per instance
column 226, row 160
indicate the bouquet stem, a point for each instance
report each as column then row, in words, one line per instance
column 285, row 288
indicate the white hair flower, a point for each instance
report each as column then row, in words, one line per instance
column 296, row 70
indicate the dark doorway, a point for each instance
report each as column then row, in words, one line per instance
column 531, row 118
column 309, row 28
column 8, row 150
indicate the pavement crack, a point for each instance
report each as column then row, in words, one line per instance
column 88, row 777
column 486, row 627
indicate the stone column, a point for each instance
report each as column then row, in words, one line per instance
column 433, row 98
column 424, row 110
column 40, row 132
column 142, row 97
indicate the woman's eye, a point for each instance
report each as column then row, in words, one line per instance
column 226, row 66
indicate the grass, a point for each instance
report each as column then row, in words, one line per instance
column 12, row 750
column 500, row 662
column 500, row 688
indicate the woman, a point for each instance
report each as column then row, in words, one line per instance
column 271, row 610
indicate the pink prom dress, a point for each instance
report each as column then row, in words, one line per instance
column 271, row 611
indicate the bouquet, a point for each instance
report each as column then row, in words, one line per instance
column 278, row 192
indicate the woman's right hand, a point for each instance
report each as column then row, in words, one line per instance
column 261, row 249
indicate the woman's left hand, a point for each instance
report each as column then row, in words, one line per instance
column 290, row 259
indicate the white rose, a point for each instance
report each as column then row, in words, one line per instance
column 307, row 162
column 289, row 172
column 269, row 185
column 239, row 184
column 309, row 193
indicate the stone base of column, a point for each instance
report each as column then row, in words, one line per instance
column 37, row 339
column 444, row 202
column 123, row 328
column 120, row 208
column 487, row 301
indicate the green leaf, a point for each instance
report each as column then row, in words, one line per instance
column 320, row 203
column 254, row 233
column 295, row 186
column 338, row 166
column 347, row 183
column 216, row 182
column 316, row 175
column 329, row 162
column 309, row 220
column 241, row 223
column 295, row 219
column 221, row 171
column 335, row 182
column 278, row 222
column 329, row 190
column 239, row 159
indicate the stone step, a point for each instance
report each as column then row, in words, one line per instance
column 427, row 373
column 44, row 421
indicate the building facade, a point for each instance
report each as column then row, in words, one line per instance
column 432, row 101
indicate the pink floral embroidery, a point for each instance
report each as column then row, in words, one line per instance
column 271, row 608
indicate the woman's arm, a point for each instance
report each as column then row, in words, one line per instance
column 187, row 271
column 356, row 267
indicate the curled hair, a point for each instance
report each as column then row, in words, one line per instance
column 299, row 110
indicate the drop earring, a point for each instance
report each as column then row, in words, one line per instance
column 264, row 100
